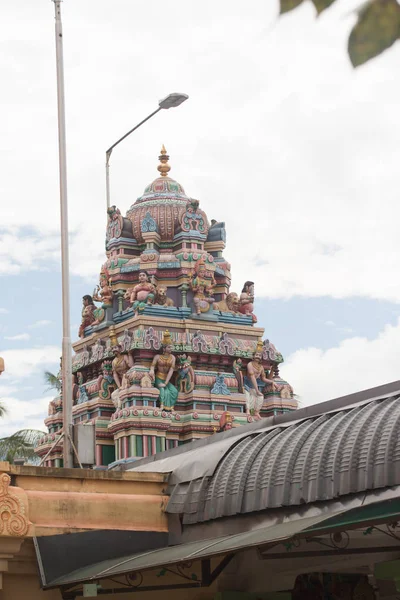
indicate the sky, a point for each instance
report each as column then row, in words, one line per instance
column 281, row 138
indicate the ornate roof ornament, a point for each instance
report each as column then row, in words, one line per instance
column 148, row 224
column 166, row 338
column 164, row 167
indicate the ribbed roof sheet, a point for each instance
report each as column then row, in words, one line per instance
column 334, row 454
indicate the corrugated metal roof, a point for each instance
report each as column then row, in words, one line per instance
column 334, row 454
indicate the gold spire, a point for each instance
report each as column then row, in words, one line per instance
column 164, row 167
column 260, row 346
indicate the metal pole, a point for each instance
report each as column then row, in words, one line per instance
column 66, row 340
column 111, row 148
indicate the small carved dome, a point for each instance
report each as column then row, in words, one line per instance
column 164, row 200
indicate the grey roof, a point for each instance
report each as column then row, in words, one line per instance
column 344, row 451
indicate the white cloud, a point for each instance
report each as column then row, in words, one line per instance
column 17, row 338
column 22, row 414
column 3, row 311
column 41, row 323
column 280, row 138
column 356, row 364
column 21, row 364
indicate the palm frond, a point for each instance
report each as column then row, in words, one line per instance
column 20, row 444
column 52, row 381
column 3, row 409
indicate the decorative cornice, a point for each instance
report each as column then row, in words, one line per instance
column 12, row 511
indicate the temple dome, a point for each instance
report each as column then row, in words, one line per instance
column 164, row 200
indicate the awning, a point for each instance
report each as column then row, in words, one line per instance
column 385, row 511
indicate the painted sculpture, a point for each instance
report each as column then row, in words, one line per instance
column 202, row 285
column 87, row 314
column 141, row 294
column 103, row 292
column 161, row 371
column 246, row 301
column 120, row 365
column 161, row 297
column 106, row 382
column 185, row 378
column 255, row 381
column 237, row 371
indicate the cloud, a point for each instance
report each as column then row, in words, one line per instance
column 4, row 311
column 17, row 338
column 41, row 323
column 356, row 364
column 302, row 166
column 22, row 414
column 23, row 363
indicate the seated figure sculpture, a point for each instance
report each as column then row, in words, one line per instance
column 161, row 371
column 202, row 285
column 255, row 381
column 142, row 294
column 246, row 300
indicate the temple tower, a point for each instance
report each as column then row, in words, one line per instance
column 169, row 353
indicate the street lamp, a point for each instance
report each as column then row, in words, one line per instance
column 170, row 101
column 66, row 362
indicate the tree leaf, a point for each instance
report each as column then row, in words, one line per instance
column 321, row 5
column 288, row 5
column 52, row 381
column 377, row 29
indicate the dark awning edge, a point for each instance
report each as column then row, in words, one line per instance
column 382, row 511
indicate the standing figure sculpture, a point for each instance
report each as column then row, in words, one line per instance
column 255, row 381
column 120, row 365
column 185, row 379
column 246, row 300
column 237, row 371
column 103, row 292
column 142, row 294
column 88, row 316
column 161, row 371
column 202, row 284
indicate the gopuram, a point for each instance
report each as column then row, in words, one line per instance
column 169, row 354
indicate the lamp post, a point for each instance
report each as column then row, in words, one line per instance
column 62, row 156
column 170, row 101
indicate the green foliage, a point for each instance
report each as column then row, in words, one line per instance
column 52, row 381
column 3, row 410
column 377, row 28
column 287, row 5
column 20, row 444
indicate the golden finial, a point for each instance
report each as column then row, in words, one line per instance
column 113, row 336
column 166, row 338
column 260, row 346
column 164, row 167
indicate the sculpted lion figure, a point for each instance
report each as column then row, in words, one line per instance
column 230, row 304
column 161, row 296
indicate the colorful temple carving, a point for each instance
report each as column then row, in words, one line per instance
column 169, row 354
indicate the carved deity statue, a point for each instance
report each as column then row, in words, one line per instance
column 202, row 284
column 103, row 293
column 120, row 365
column 161, row 371
column 114, row 223
column 88, row 316
column 141, row 294
column 185, row 379
column 255, row 381
column 106, row 381
column 237, row 371
column 246, row 300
